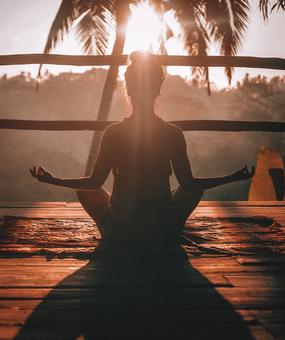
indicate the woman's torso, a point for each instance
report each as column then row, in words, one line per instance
column 141, row 163
column 141, row 167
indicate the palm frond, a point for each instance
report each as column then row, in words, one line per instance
column 92, row 31
column 68, row 12
column 190, row 15
column 264, row 6
column 61, row 24
column 227, row 21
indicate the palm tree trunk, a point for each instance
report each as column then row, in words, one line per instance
column 109, row 86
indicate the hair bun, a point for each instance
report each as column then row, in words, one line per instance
column 143, row 72
column 142, row 58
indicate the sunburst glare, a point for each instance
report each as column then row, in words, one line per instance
column 145, row 29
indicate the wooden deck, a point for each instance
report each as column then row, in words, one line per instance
column 53, row 285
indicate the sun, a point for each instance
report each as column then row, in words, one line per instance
column 145, row 29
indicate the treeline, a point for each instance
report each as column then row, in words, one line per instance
column 77, row 96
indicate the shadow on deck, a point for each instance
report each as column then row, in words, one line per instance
column 135, row 296
column 187, row 294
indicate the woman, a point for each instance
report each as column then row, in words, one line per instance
column 141, row 151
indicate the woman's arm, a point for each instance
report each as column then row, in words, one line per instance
column 208, row 183
column 82, row 183
column 182, row 168
column 99, row 174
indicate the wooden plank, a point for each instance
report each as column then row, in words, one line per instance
column 242, row 203
column 16, row 317
column 198, row 300
column 8, row 332
column 261, row 261
column 107, row 279
column 9, row 204
column 210, row 261
column 211, row 204
column 241, row 294
column 171, row 60
column 77, row 211
column 252, row 287
column 185, row 125
column 274, row 209
column 256, row 280
column 38, row 268
column 268, row 316
column 40, row 261
column 256, row 269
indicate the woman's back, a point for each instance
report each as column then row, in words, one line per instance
column 141, row 153
column 142, row 161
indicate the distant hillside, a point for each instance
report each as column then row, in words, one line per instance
column 76, row 96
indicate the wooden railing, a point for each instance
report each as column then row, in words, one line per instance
column 185, row 125
column 173, row 60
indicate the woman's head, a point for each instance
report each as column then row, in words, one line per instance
column 144, row 76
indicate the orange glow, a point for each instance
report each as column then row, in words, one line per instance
column 145, row 29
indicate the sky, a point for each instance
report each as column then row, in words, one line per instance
column 24, row 25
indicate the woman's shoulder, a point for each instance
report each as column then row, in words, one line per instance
column 171, row 128
column 112, row 128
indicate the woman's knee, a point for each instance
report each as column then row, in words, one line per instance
column 180, row 193
column 83, row 195
column 97, row 198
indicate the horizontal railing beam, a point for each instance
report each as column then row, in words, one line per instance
column 171, row 60
column 185, row 125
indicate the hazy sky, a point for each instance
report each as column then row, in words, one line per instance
column 24, row 25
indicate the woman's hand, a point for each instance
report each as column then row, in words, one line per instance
column 244, row 174
column 41, row 174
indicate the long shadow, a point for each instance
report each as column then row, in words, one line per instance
column 135, row 296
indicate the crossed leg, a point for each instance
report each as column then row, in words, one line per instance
column 185, row 203
column 95, row 203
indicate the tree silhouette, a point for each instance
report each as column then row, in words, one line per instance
column 265, row 5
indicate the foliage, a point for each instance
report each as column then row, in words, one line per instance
column 201, row 21
column 71, row 96
column 266, row 5
column 260, row 98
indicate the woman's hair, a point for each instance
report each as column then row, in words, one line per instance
column 144, row 74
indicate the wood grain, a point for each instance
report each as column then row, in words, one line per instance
column 139, row 295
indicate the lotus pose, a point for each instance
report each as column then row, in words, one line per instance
column 142, row 151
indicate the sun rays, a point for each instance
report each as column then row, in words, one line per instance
column 145, row 29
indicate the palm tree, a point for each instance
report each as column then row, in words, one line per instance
column 201, row 21
column 265, row 5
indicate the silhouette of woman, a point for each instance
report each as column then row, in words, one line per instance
column 141, row 151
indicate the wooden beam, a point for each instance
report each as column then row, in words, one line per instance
column 171, row 60
column 185, row 125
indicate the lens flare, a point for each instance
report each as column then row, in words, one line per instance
column 145, row 29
